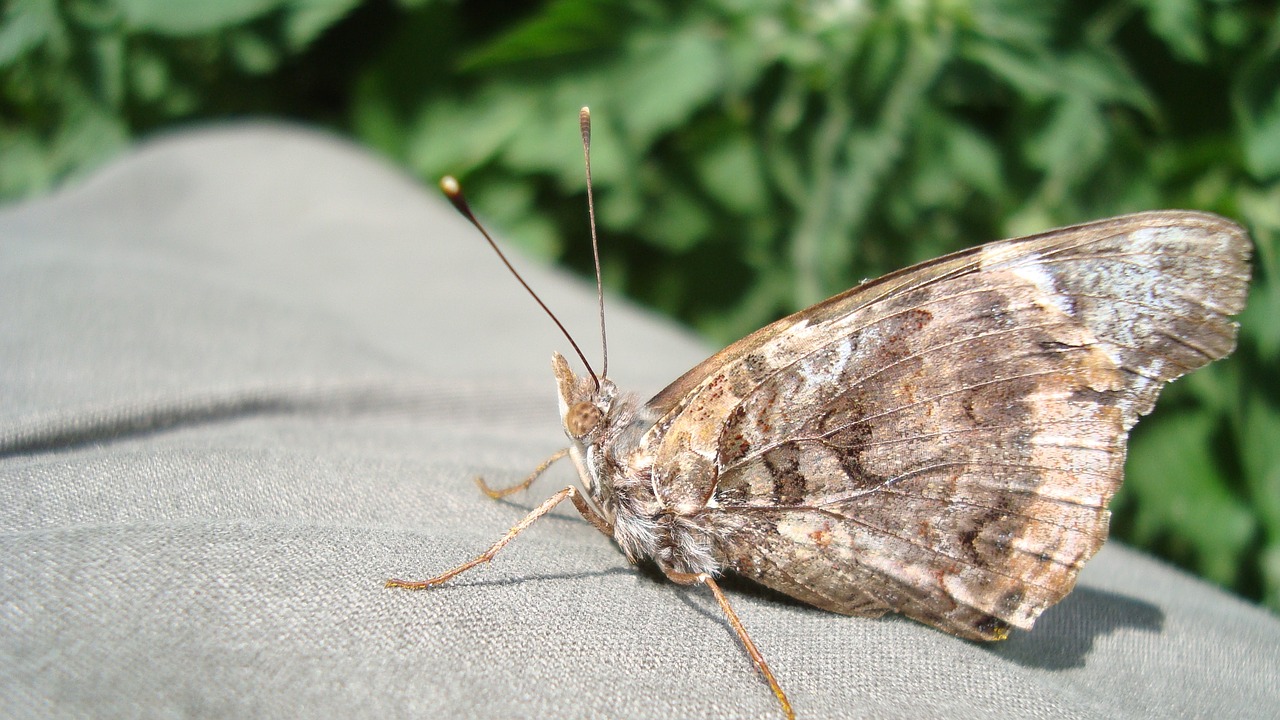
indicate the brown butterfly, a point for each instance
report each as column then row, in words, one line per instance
column 941, row 442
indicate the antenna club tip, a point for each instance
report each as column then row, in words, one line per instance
column 449, row 186
column 585, row 112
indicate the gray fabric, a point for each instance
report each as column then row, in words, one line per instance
column 247, row 373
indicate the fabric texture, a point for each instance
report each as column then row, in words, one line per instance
column 248, row 372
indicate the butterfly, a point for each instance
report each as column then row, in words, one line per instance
column 941, row 442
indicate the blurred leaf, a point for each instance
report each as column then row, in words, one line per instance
column 307, row 19
column 24, row 164
column 676, row 223
column 509, row 208
column 1258, row 319
column 1177, row 487
column 1256, row 101
column 1032, row 75
column 767, row 294
column 455, row 137
column 25, row 25
column 547, row 140
column 563, row 27
column 1179, row 23
column 1072, row 140
column 669, row 75
column 92, row 135
column 621, row 208
column 1261, row 459
column 750, row 44
column 1261, row 211
column 730, row 171
column 1269, row 566
column 1232, row 22
column 149, row 75
column 1013, row 21
column 1103, row 76
column 252, row 53
column 952, row 164
column 375, row 119
column 192, row 17
column 974, row 159
column 108, row 53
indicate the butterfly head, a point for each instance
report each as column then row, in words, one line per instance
column 583, row 406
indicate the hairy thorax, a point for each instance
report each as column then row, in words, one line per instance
column 647, row 524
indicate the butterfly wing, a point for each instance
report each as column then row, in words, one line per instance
column 943, row 442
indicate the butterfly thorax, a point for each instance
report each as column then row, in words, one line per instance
column 606, row 429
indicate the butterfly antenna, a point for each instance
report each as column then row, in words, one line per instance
column 584, row 121
column 453, row 191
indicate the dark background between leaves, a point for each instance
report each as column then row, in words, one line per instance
column 752, row 158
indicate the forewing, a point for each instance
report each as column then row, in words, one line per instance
column 943, row 442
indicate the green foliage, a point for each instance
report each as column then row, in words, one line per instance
column 81, row 78
column 751, row 158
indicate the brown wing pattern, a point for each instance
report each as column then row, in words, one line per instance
column 943, row 442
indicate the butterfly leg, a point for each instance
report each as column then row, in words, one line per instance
column 569, row 492
column 756, row 657
column 523, row 485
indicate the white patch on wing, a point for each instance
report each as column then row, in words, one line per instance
column 1029, row 267
column 1035, row 273
column 823, row 369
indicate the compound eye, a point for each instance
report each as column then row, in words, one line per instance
column 582, row 418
